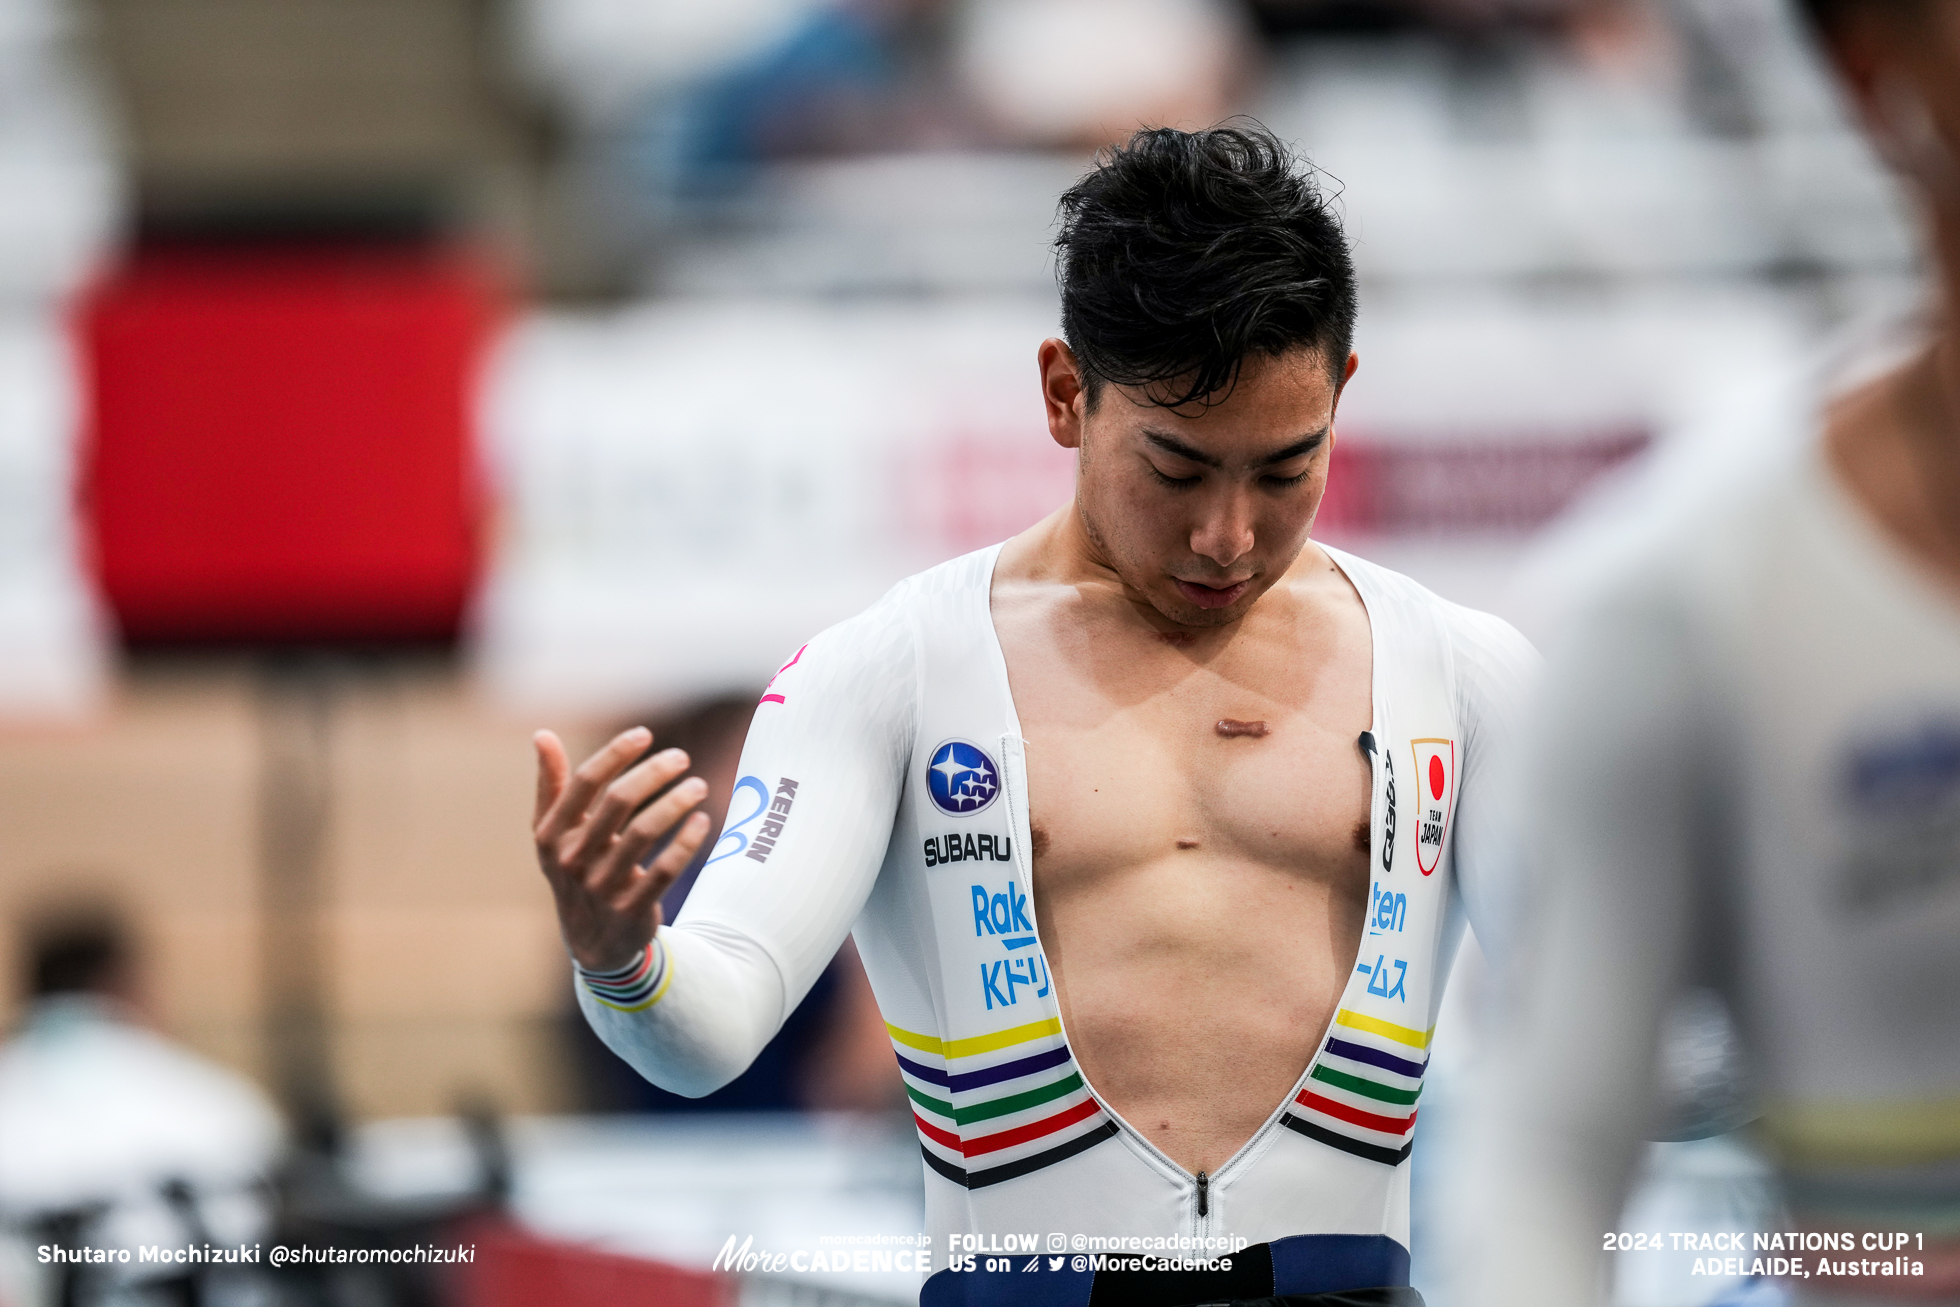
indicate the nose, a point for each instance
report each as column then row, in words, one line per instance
column 1223, row 533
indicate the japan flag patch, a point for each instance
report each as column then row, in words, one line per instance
column 1435, row 787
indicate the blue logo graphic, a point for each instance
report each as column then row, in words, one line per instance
column 732, row 840
column 961, row 778
column 1908, row 772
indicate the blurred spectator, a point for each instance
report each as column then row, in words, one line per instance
column 1090, row 72
column 846, row 77
column 832, row 1054
column 1745, row 776
column 1288, row 17
column 870, row 76
column 110, row 1134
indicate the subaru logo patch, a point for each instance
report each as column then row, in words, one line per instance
column 961, row 778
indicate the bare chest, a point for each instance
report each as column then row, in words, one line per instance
column 1199, row 810
column 1114, row 786
column 1137, row 751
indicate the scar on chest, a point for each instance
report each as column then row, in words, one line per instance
column 1231, row 728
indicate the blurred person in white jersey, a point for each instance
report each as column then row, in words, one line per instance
column 111, row 1135
column 1156, row 824
column 1744, row 773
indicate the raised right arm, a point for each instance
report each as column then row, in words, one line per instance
column 807, row 827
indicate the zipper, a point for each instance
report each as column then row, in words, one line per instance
column 1381, row 802
column 1204, row 1194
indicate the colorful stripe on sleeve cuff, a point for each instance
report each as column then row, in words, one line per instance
column 633, row 988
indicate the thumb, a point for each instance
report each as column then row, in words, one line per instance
column 553, row 770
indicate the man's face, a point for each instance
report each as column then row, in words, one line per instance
column 1201, row 510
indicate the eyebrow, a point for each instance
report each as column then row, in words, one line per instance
column 1172, row 445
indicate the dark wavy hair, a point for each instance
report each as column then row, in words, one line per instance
column 1184, row 252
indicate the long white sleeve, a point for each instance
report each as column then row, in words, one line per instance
column 803, row 843
column 1496, row 670
column 1610, row 797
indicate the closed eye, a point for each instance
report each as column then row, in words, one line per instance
column 1175, row 483
column 1310, row 448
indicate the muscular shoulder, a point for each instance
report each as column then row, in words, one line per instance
column 1494, row 661
column 872, row 659
column 1491, row 659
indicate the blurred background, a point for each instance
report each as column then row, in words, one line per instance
column 382, row 379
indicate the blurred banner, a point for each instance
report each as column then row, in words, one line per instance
column 280, row 443
column 63, row 194
column 691, row 491
column 53, row 636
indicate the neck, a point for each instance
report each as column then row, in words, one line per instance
column 1942, row 368
column 1078, row 551
column 1085, row 560
column 1945, row 354
column 1899, row 444
column 1076, row 555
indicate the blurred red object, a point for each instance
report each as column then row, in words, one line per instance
column 280, row 441
column 513, row 1268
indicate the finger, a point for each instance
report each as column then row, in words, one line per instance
column 623, row 798
column 553, row 768
column 647, row 829
column 593, row 775
column 658, row 822
column 664, row 870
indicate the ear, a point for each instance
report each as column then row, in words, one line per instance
column 1061, row 392
column 1352, row 366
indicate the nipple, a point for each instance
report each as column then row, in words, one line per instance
column 1229, row 728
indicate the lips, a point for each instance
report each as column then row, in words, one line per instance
column 1211, row 596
